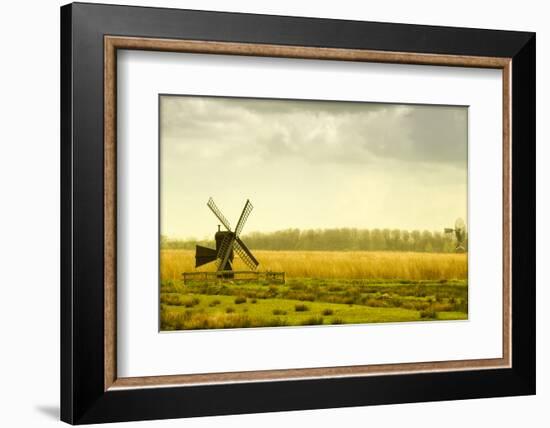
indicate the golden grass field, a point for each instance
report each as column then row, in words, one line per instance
column 335, row 264
column 322, row 287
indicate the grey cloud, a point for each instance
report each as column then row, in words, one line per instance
column 422, row 133
column 341, row 132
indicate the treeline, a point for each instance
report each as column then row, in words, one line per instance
column 343, row 239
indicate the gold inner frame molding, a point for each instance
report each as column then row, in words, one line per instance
column 113, row 43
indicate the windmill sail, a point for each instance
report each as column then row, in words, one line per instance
column 224, row 252
column 204, row 255
column 218, row 214
column 460, row 234
column 244, row 253
column 244, row 216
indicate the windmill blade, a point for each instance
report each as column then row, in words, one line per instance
column 225, row 250
column 204, row 255
column 242, row 219
column 218, row 214
column 245, row 254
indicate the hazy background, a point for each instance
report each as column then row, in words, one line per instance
column 310, row 164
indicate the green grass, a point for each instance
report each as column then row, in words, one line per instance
column 310, row 302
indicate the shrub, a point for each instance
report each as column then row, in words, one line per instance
column 419, row 292
column 174, row 320
column 214, row 302
column 169, row 286
column 190, row 302
column 461, row 306
column 169, row 299
column 253, row 301
column 328, row 311
column 230, row 310
column 395, row 302
column 442, row 307
column 296, row 285
column 271, row 292
column 239, row 300
column 272, row 322
column 251, row 294
column 374, row 303
column 299, row 295
column 179, row 300
column 428, row 314
column 300, row 307
column 417, row 305
column 279, row 312
column 312, row 321
column 203, row 321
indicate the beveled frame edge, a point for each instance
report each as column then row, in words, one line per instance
column 112, row 43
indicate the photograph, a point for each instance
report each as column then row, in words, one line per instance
column 282, row 212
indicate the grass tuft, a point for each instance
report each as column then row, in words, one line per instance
column 312, row 321
column 428, row 314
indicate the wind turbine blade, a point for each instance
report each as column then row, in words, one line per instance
column 218, row 214
column 245, row 254
column 242, row 219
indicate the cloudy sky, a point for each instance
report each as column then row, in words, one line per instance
column 310, row 164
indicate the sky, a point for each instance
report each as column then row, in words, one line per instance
column 310, row 164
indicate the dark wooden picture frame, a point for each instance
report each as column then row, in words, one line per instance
column 90, row 389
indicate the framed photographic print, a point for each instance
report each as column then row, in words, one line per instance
column 265, row 213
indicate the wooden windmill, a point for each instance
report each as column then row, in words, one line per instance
column 460, row 235
column 228, row 242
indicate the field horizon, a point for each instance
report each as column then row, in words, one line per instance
column 336, row 239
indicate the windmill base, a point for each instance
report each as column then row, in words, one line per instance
column 234, row 276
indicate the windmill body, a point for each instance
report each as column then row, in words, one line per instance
column 460, row 235
column 206, row 255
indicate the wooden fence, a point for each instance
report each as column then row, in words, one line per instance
column 235, row 276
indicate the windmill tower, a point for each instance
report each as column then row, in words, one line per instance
column 460, row 235
column 228, row 242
